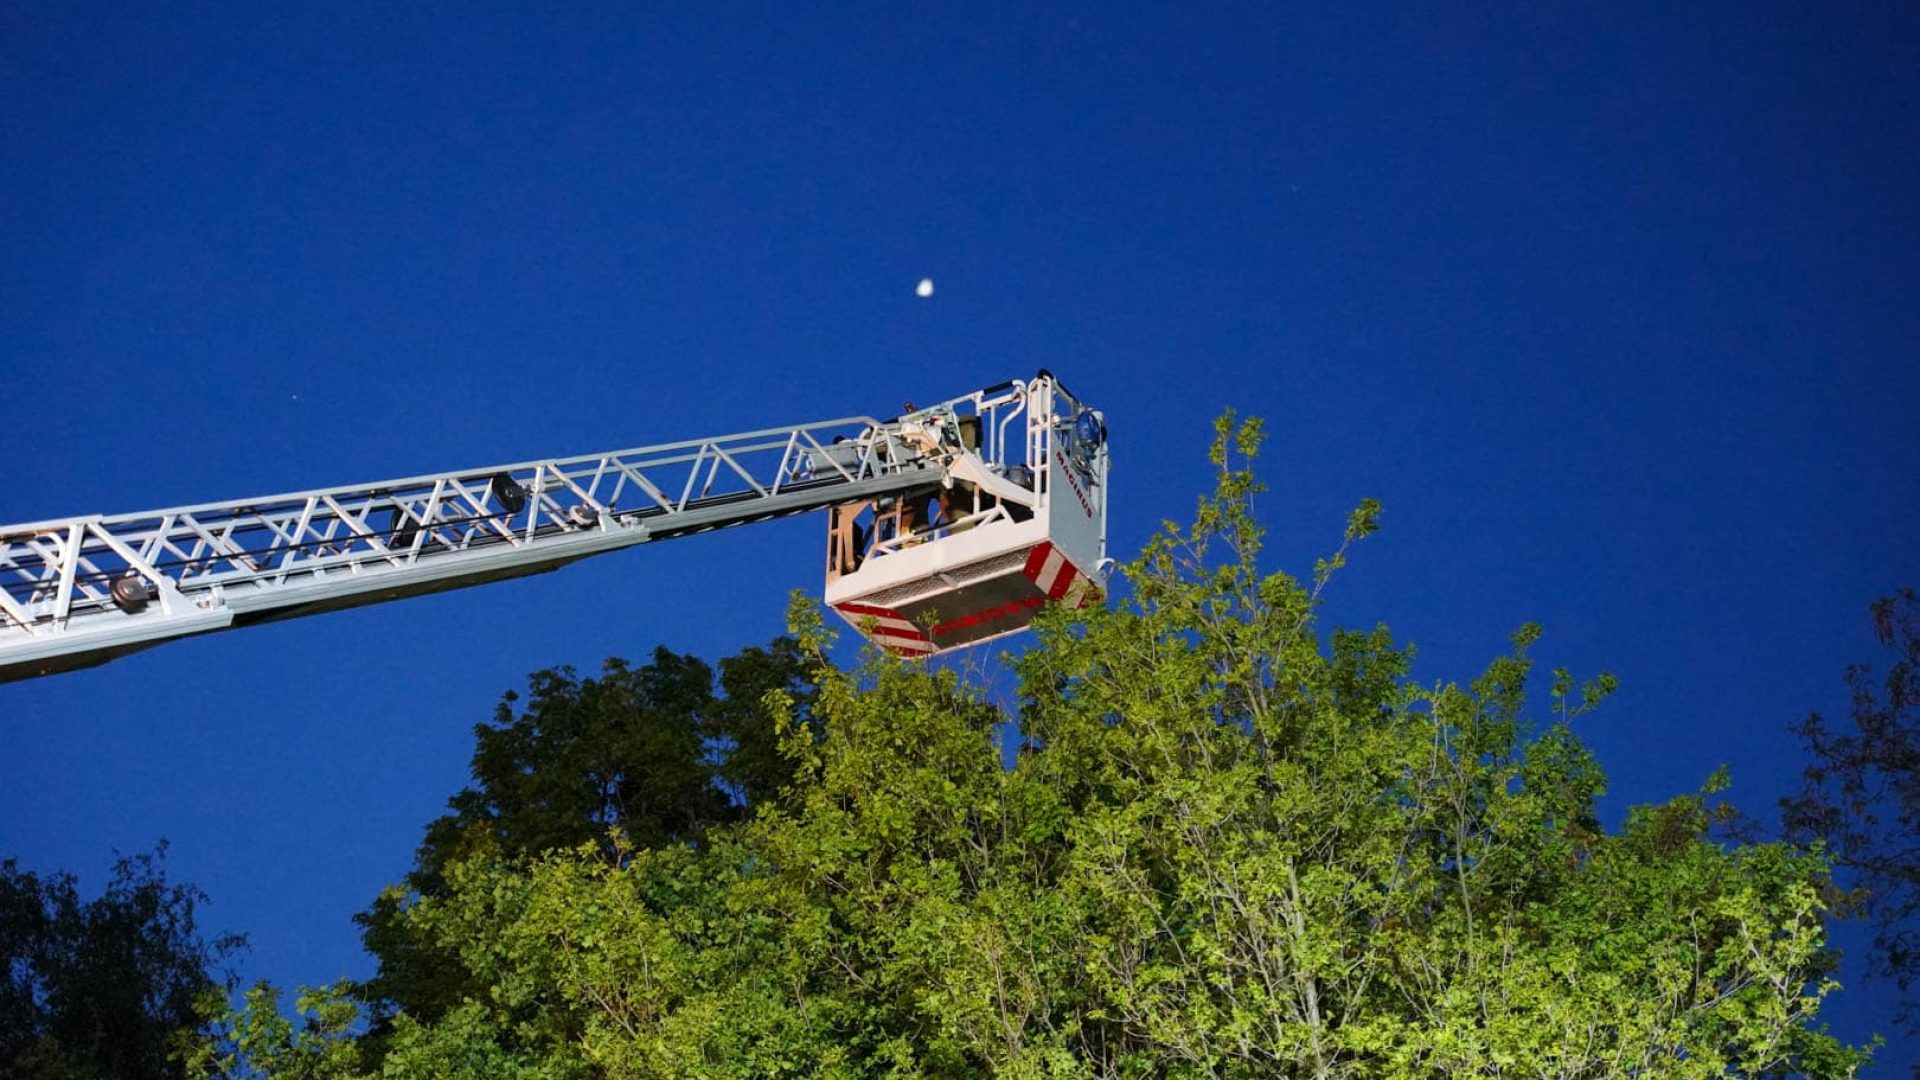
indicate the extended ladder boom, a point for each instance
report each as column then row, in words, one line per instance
column 79, row 591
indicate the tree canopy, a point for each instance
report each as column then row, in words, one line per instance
column 1862, row 796
column 102, row 989
column 1230, row 844
column 651, row 755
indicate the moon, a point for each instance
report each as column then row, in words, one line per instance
column 925, row 288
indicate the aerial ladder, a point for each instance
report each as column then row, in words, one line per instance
column 947, row 526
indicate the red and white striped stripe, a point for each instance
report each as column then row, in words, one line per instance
column 991, row 614
column 1050, row 570
column 891, row 630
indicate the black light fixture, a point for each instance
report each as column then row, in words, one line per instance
column 508, row 493
column 131, row 592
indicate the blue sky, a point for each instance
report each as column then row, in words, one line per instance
column 1611, row 308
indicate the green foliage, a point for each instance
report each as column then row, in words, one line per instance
column 318, row 1046
column 1230, row 846
column 101, row 989
column 645, row 756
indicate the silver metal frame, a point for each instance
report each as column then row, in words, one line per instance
column 196, row 569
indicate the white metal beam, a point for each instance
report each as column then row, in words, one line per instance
column 193, row 569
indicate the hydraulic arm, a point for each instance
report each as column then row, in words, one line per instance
column 79, row 591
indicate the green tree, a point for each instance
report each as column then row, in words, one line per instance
column 101, row 989
column 649, row 753
column 749, row 762
column 1862, row 796
column 1230, row 846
